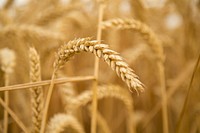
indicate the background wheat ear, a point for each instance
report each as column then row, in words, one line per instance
column 103, row 91
column 7, row 62
column 112, row 58
column 60, row 122
column 154, row 43
column 37, row 98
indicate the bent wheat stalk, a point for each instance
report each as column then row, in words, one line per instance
column 60, row 121
column 156, row 46
column 36, row 92
column 104, row 91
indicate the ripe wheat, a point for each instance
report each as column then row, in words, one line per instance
column 111, row 57
column 37, row 99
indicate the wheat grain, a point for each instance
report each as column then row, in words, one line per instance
column 111, row 57
column 61, row 121
column 154, row 43
column 36, row 92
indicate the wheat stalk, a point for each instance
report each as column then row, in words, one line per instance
column 7, row 61
column 96, row 67
column 154, row 43
column 111, row 57
column 14, row 116
column 60, row 121
column 102, row 123
column 177, row 82
column 36, row 92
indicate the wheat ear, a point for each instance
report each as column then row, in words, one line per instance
column 156, row 46
column 111, row 57
column 103, row 92
column 7, row 61
column 60, row 121
column 37, row 99
column 154, row 43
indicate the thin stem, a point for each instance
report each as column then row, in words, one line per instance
column 186, row 102
column 46, row 82
column 96, row 73
column 6, row 99
column 18, row 121
column 176, row 84
column 164, row 97
column 48, row 98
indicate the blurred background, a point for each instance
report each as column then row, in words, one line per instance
column 47, row 24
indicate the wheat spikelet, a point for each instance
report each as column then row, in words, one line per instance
column 111, row 57
column 148, row 34
column 60, row 121
column 36, row 92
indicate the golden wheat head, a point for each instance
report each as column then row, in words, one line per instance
column 112, row 58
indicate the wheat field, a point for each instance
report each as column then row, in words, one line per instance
column 99, row 66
